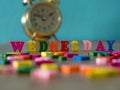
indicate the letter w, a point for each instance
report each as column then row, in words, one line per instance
column 17, row 45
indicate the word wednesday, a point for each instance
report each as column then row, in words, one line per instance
column 55, row 46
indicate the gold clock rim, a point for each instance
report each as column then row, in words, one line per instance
column 30, row 32
column 55, row 28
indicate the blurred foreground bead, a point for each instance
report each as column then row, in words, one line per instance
column 1, row 62
column 43, row 75
column 115, row 64
column 44, row 54
column 38, row 63
column 81, row 58
column 92, row 53
column 19, row 57
column 85, row 69
column 66, row 69
column 116, row 54
column 59, row 53
column 6, row 62
column 103, row 73
column 25, row 70
column 69, row 69
column 102, row 60
column 17, row 64
column 101, row 53
column 25, row 53
column 70, row 55
column 53, row 56
column 42, row 59
column 13, row 53
column 3, row 56
column 62, row 58
column 8, row 70
column 34, row 56
column 52, row 66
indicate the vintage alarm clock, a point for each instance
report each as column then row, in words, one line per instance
column 42, row 20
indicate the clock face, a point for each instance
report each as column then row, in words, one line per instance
column 45, row 18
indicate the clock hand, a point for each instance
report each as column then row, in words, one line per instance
column 50, row 14
column 38, row 15
column 43, row 18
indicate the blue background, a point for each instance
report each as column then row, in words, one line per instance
column 82, row 19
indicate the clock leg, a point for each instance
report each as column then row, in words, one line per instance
column 34, row 35
column 54, row 36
